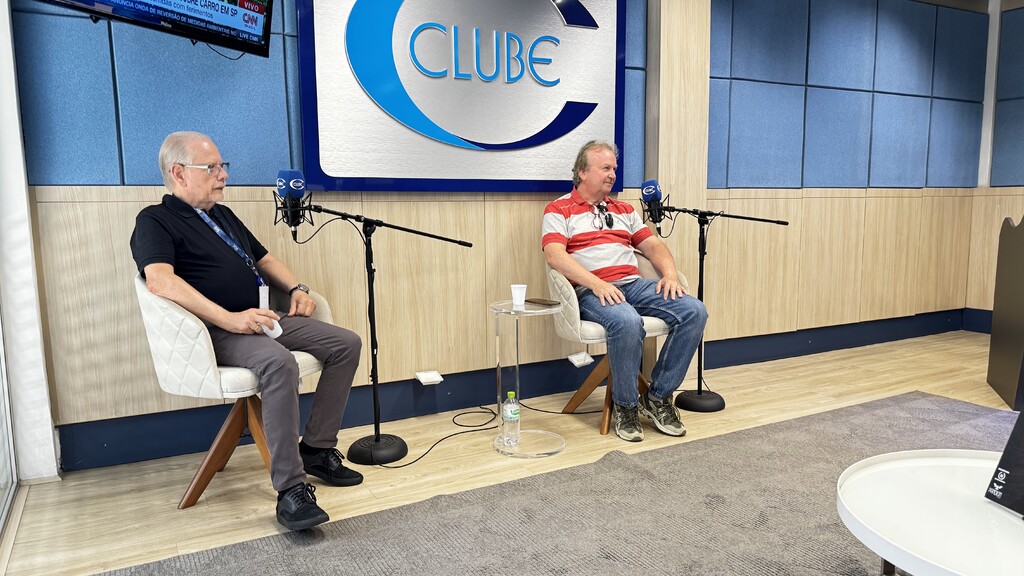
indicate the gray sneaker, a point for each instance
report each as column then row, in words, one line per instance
column 627, row 423
column 664, row 414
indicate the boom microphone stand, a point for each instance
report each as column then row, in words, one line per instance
column 705, row 400
column 379, row 448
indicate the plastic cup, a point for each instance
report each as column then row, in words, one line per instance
column 519, row 295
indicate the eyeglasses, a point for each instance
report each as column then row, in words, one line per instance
column 210, row 168
column 601, row 213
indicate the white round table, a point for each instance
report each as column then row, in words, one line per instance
column 926, row 512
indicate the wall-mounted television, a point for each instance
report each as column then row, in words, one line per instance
column 236, row 24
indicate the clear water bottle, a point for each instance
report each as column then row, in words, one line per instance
column 510, row 420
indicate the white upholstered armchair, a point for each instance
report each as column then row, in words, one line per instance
column 185, row 365
column 569, row 326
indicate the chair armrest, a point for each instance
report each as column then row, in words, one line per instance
column 647, row 270
column 181, row 348
column 279, row 300
column 567, row 320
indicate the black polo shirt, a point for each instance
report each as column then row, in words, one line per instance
column 172, row 233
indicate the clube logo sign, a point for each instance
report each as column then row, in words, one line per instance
column 456, row 94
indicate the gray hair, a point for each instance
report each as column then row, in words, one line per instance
column 582, row 160
column 175, row 150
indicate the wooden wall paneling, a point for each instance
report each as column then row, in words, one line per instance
column 514, row 256
column 891, row 232
column 146, row 194
column 831, row 245
column 680, row 111
column 332, row 263
column 943, row 252
column 101, row 364
column 759, row 290
column 716, row 274
column 430, row 295
column 833, row 192
column 986, row 219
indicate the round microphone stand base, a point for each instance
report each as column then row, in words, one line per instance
column 700, row 401
column 369, row 450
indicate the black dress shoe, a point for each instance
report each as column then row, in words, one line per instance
column 297, row 508
column 327, row 464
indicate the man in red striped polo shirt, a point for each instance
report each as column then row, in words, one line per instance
column 590, row 237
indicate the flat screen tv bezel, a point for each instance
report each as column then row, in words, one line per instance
column 181, row 29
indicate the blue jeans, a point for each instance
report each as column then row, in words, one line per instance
column 685, row 316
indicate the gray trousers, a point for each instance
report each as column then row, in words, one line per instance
column 335, row 347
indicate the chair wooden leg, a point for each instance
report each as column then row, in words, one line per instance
column 254, row 409
column 599, row 374
column 221, row 449
column 606, row 413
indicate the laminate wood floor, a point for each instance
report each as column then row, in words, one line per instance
column 96, row 520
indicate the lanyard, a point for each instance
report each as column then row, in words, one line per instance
column 232, row 243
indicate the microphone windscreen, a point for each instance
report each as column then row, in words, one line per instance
column 291, row 184
column 650, row 190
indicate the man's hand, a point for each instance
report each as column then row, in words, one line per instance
column 670, row 288
column 609, row 294
column 251, row 321
column 302, row 304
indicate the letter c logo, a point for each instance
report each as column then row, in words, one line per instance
column 368, row 41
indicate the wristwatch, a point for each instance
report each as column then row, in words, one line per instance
column 299, row 286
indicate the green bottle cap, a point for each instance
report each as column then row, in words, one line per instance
column 511, row 394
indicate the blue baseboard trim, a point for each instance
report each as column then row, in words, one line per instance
column 978, row 320
column 136, row 438
column 145, row 437
column 736, row 351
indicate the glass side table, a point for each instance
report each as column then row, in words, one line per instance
column 532, row 443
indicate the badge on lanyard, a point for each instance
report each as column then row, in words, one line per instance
column 264, row 297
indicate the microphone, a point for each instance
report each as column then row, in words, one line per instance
column 291, row 189
column 650, row 195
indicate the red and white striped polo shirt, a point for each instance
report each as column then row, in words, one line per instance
column 580, row 226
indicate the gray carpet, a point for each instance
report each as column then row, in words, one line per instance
column 758, row 502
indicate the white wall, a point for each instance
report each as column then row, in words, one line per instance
column 34, row 440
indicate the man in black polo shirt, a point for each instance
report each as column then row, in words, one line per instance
column 199, row 254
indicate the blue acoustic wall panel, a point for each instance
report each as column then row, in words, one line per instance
column 905, row 47
column 954, row 144
column 766, row 134
column 633, row 129
column 67, row 100
column 1008, row 144
column 899, row 141
column 44, row 8
column 290, row 17
column 1010, row 83
column 721, row 38
column 718, row 134
column 838, row 137
column 961, row 46
column 167, row 84
column 636, row 33
column 769, row 40
column 841, row 50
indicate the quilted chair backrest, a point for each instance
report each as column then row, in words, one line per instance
column 180, row 345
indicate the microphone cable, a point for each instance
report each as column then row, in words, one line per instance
column 455, row 420
column 560, row 413
column 477, row 428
